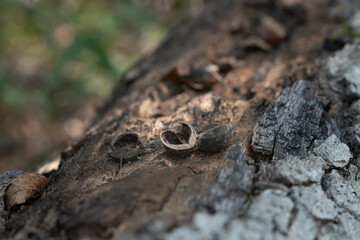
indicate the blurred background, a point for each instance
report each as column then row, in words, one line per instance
column 58, row 59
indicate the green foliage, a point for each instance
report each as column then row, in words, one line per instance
column 54, row 52
column 346, row 30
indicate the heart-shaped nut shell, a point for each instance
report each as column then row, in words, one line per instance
column 216, row 139
column 126, row 146
column 179, row 143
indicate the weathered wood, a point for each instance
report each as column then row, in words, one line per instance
column 250, row 189
column 291, row 124
column 233, row 186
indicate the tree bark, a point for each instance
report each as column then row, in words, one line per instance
column 283, row 175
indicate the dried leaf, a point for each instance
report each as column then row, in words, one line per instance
column 50, row 166
column 173, row 76
column 199, row 78
column 24, row 187
column 203, row 77
column 271, row 31
column 256, row 42
column 239, row 24
column 225, row 64
column 5, row 180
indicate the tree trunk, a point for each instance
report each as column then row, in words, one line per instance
column 289, row 96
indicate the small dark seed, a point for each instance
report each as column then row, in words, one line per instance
column 216, row 139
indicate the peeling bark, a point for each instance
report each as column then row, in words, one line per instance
column 291, row 124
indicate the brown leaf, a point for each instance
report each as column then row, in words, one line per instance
column 238, row 24
column 256, row 42
column 24, row 187
column 271, row 31
column 225, row 64
column 173, row 76
column 203, row 77
column 199, row 78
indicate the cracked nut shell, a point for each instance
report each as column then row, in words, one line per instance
column 180, row 143
column 126, row 146
column 215, row 139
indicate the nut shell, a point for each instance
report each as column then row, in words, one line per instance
column 215, row 139
column 126, row 146
column 126, row 154
column 180, row 143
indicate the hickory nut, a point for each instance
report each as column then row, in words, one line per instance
column 126, row 146
column 180, row 143
column 215, row 139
